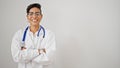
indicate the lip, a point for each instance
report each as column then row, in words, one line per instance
column 34, row 20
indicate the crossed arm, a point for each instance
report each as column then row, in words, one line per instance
column 39, row 50
column 23, row 54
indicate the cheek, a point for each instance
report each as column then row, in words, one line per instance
column 40, row 18
column 28, row 18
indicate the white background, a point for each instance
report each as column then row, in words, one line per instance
column 87, row 31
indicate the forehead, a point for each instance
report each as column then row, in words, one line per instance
column 34, row 9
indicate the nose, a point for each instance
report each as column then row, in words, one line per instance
column 34, row 16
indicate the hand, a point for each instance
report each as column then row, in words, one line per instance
column 41, row 50
column 44, row 50
column 23, row 48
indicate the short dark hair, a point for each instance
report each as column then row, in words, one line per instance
column 37, row 5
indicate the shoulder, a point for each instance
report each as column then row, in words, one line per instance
column 49, row 32
column 19, row 32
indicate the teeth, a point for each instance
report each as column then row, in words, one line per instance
column 34, row 20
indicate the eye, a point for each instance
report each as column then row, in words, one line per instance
column 30, row 13
column 38, row 13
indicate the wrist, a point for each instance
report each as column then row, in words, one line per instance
column 39, row 51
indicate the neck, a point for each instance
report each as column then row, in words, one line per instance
column 34, row 29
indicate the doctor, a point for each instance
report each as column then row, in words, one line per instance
column 33, row 46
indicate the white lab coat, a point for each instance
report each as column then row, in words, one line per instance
column 30, row 57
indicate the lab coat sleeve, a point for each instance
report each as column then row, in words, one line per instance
column 49, row 56
column 21, row 55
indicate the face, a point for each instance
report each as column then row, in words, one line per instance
column 34, row 16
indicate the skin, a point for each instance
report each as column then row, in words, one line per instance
column 34, row 21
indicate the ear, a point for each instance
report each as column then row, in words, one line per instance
column 27, row 16
column 42, row 15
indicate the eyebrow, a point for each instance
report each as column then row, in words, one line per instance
column 34, row 12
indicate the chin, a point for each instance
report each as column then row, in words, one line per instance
column 34, row 24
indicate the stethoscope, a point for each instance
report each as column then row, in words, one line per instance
column 25, row 32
